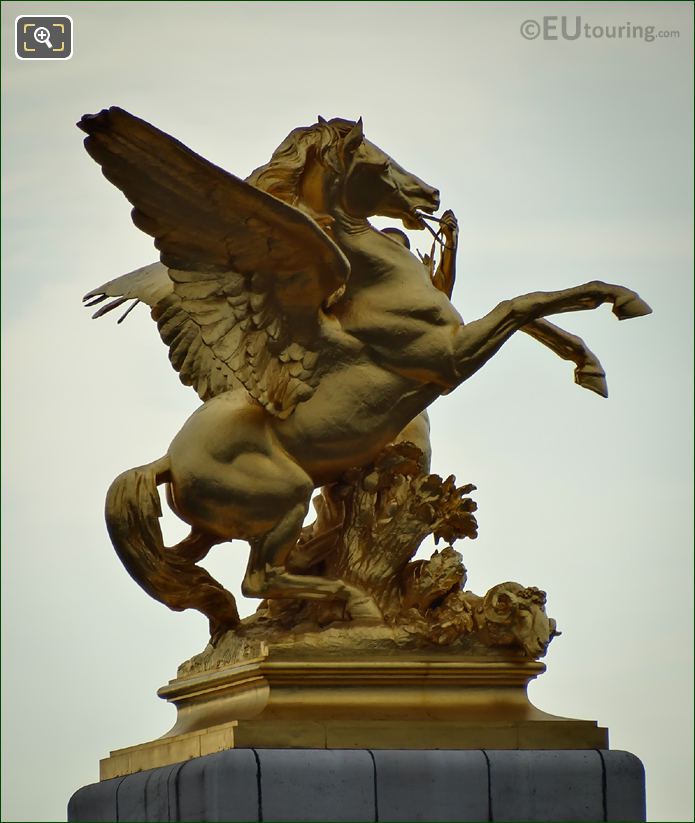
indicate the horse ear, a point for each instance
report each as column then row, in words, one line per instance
column 353, row 139
column 322, row 121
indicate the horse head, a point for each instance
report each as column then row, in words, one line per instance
column 374, row 184
column 332, row 165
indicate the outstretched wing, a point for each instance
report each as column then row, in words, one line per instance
column 250, row 273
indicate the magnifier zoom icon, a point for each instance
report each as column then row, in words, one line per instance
column 43, row 35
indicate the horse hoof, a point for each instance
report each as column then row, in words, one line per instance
column 592, row 379
column 219, row 629
column 364, row 609
column 630, row 306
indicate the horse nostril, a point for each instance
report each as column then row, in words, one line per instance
column 435, row 195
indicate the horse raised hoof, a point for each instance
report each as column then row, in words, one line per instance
column 630, row 305
column 589, row 377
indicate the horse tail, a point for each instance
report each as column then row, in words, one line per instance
column 169, row 575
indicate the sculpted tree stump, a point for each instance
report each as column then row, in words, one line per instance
column 368, row 528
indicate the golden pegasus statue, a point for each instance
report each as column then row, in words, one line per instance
column 314, row 341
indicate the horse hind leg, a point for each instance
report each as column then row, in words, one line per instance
column 267, row 576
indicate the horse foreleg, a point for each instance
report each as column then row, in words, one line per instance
column 475, row 343
column 589, row 373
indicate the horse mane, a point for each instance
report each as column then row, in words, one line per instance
column 281, row 175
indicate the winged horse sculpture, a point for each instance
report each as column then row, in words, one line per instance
column 312, row 338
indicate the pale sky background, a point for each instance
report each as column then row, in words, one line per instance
column 564, row 161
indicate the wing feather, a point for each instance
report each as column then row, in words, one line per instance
column 238, row 295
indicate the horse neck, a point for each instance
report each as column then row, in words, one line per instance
column 350, row 232
column 319, row 194
column 372, row 256
column 370, row 253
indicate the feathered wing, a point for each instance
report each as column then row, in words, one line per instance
column 249, row 274
column 152, row 285
column 149, row 284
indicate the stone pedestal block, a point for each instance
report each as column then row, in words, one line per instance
column 280, row 699
column 381, row 785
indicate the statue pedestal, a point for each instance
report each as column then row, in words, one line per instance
column 291, row 730
column 403, row 700
column 361, row 785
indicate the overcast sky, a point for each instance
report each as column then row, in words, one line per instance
column 565, row 161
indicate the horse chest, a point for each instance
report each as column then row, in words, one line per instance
column 393, row 312
column 407, row 331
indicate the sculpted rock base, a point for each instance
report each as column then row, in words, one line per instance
column 368, row 528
